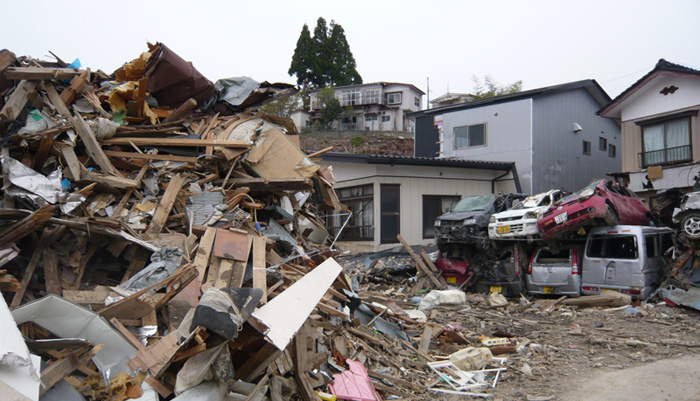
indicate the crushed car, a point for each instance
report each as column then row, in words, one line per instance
column 468, row 221
column 688, row 215
column 602, row 202
column 502, row 273
column 520, row 221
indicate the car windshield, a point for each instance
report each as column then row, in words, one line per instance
column 530, row 201
column 472, row 203
column 578, row 193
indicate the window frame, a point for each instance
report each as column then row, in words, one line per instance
column 390, row 95
column 485, row 132
column 584, row 151
column 664, row 121
column 366, row 231
column 602, row 143
column 612, row 151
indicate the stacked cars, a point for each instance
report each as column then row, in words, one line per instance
column 572, row 240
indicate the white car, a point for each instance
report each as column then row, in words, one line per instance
column 521, row 220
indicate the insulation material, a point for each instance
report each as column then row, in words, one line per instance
column 19, row 370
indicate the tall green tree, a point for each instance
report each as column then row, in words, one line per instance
column 304, row 59
column 324, row 59
column 331, row 108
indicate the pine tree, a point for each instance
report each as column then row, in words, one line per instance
column 304, row 59
column 324, row 59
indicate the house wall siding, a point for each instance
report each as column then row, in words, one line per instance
column 558, row 159
column 651, row 101
column 508, row 131
column 414, row 182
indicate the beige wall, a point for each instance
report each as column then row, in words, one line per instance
column 632, row 140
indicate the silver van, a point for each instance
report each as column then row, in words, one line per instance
column 555, row 272
column 626, row 259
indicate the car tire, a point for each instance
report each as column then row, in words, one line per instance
column 690, row 225
column 611, row 218
column 483, row 242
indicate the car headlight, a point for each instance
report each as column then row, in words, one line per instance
column 586, row 194
column 530, row 215
column 468, row 222
column 492, row 219
column 437, row 223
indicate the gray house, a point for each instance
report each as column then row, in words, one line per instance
column 553, row 134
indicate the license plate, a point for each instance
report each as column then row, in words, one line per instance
column 610, row 290
column 451, row 280
column 503, row 229
column 560, row 218
column 496, row 288
column 548, row 290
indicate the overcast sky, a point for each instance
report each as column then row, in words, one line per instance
column 539, row 42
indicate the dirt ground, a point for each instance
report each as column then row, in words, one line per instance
column 649, row 352
column 592, row 353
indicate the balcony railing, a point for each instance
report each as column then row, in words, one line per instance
column 678, row 154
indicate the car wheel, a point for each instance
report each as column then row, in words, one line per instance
column 690, row 224
column 483, row 242
column 673, row 283
column 611, row 218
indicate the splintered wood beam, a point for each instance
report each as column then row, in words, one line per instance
column 201, row 260
column 175, row 142
column 419, row 262
column 41, row 73
column 18, row 99
column 76, row 85
column 181, row 111
column 92, row 146
column 259, row 267
column 146, row 156
column 53, row 280
column 15, row 232
column 160, row 217
column 29, row 271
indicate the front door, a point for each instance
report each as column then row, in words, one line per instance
column 389, row 223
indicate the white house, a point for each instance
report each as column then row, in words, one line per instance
column 660, row 126
column 391, row 195
column 378, row 106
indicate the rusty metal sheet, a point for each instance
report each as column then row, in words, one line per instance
column 232, row 245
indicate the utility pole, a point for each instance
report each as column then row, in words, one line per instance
column 427, row 91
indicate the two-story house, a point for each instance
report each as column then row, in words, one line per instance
column 378, row 106
column 553, row 134
column 659, row 120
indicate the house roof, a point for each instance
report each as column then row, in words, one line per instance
column 662, row 67
column 381, row 83
column 416, row 161
column 590, row 85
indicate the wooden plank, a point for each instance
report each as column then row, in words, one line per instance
column 160, row 217
column 15, row 232
column 146, row 156
column 182, row 110
column 76, row 85
column 238, row 274
column 259, row 267
column 29, row 271
column 302, row 366
column 419, row 262
column 127, row 334
column 201, row 260
column 56, row 100
column 141, row 96
column 44, row 148
column 72, row 161
column 141, row 257
column 92, row 147
column 155, row 357
column 225, row 273
column 63, row 367
column 175, row 142
column 114, row 181
column 273, row 184
column 18, row 100
column 424, row 345
column 41, row 73
column 232, row 245
column 53, row 279
column 257, row 363
column 432, row 267
column 213, row 273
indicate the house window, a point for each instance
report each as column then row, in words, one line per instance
column 351, row 97
column 612, row 150
column 434, row 206
column 666, row 142
column 586, row 148
column 371, row 97
column 393, row 98
column 417, row 102
column 370, row 117
column 360, row 227
column 386, row 119
column 602, row 143
column 470, row 135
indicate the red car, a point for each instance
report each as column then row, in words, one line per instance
column 603, row 201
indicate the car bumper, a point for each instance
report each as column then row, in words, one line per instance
column 550, row 230
column 572, row 287
column 519, row 228
column 511, row 289
column 644, row 292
